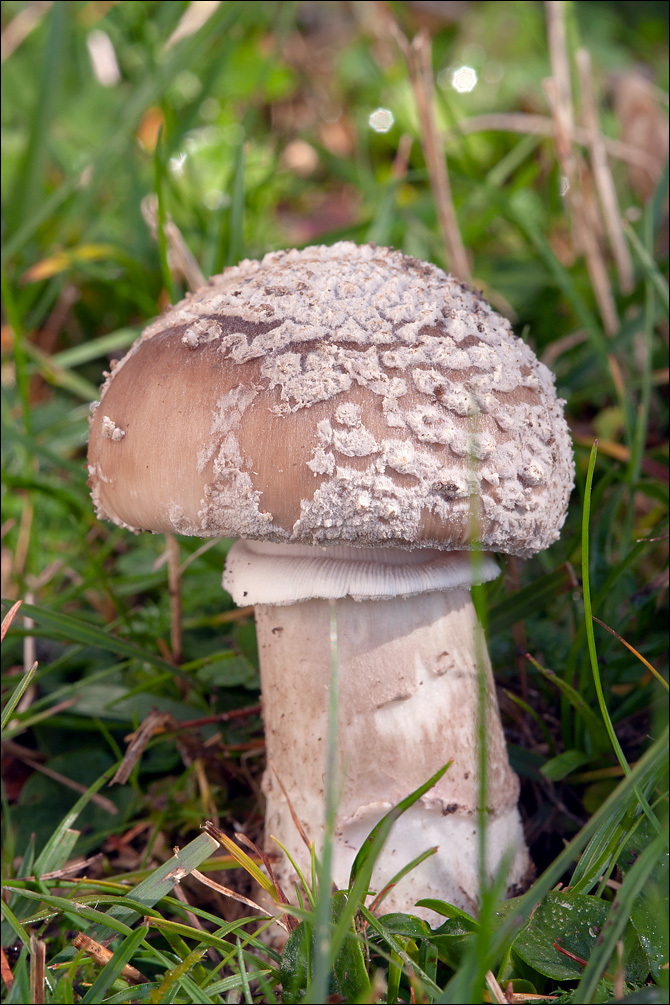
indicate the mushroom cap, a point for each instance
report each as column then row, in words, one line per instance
column 345, row 394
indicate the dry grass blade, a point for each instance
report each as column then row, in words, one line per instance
column 291, row 923
column 20, row 27
column 23, row 755
column 419, row 63
column 102, row 955
column 155, row 722
column 497, row 993
column 38, row 952
column 644, row 125
column 193, row 18
column 227, row 892
column 634, row 651
column 181, row 259
column 8, row 618
column 73, row 867
column 241, row 857
column 294, row 815
column 5, row 970
column 29, row 651
column 602, row 174
column 520, row 997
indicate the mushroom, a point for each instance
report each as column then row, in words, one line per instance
column 361, row 421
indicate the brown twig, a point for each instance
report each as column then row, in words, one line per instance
column 560, row 68
column 102, row 955
column 419, row 63
column 206, row 720
column 602, row 174
column 542, row 125
column 581, row 206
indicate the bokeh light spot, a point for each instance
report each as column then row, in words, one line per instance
column 381, row 120
column 464, row 79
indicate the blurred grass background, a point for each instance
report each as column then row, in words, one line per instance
column 271, row 125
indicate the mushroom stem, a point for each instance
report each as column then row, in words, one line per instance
column 410, row 671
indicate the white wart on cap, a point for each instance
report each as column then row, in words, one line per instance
column 336, row 394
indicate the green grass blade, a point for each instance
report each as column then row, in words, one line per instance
column 364, row 862
column 590, row 635
column 19, row 345
column 14, row 924
column 114, row 150
column 651, row 270
column 49, row 853
column 64, row 626
column 159, row 186
column 236, row 242
column 102, row 346
column 28, row 180
column 576, row 700
column 18, row 692
column 395, row 946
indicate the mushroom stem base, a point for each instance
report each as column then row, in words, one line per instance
column 414, row 679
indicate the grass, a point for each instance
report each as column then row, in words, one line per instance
column 253, row 133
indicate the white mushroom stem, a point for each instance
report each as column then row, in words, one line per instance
column 409, row 670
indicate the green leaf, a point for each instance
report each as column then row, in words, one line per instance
column 348, row 977
column 449, row 911
column 565, row 929
column 407, row 925
column 296, row 964
column 649, row 917
column 349, row 969
column 564, row 764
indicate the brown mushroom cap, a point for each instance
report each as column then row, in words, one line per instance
column 343, row 393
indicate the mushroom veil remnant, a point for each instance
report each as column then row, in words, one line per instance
column 360, row 420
